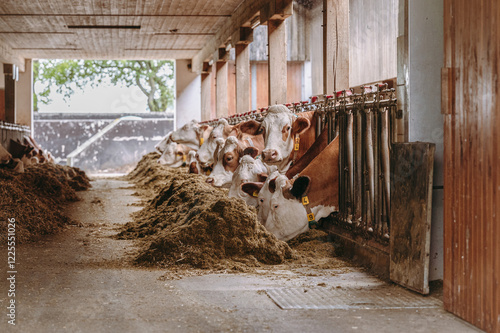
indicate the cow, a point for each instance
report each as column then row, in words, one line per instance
column 249, row 170
column 191, row 134
column 174, row 155
column 242, row 131
column 287, row 207
column 227, row 160
column 162, row 145
column 284, row 132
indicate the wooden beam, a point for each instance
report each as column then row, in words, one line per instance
column 221, row 101
column 276, row 10
column 244, row 13
column 243, row 35
column 277, row 68
column 9, row 56
column 335, row 45
column 9, row 71
column 242, row 78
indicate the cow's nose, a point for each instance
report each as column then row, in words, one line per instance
column 210, row 180
column 269, row 154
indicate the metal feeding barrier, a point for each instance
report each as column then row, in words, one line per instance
column 364, row 125
column 363, row 121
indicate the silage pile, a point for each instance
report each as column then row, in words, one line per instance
column 190, row 223
column 34, row 198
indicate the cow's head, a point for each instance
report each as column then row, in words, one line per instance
column 227, row 161
column 173, row 155
column 188, row 134
column 206, row 152
column 249, row 170
column 279, row 127
column 280, row 208
column 192, row 162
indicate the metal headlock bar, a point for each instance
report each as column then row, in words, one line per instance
column 363, row 120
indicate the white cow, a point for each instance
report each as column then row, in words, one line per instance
column 205, row 154
column 174, row 155
column 191, row 134
column 249, row 170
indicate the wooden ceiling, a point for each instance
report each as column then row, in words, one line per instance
column 111, row 29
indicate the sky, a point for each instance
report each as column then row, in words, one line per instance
column 103, row 99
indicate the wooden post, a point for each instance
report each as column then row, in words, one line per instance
column 221, row 89
column 335, row 45
column 9, row 71
column 277, row 61
column 242, row 78
column 206, row 96
column 24, row 96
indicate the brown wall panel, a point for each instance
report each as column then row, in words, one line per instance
column 472, row 162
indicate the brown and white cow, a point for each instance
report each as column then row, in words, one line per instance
column 227, row 161
column 285, row 205
column 244, row 132
column 281, row 129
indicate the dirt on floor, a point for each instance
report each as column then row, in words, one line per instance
column 187, row 223
column 35, row 199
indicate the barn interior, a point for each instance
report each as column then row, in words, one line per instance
column 429, row 69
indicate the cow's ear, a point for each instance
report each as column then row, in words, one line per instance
column 252, row 189
column 272, row 185
column 262, row 177
column 252, row 151
column 193, row 168
column 300, row 125
column 250, row 127
column 201, row 129
column 300, row 186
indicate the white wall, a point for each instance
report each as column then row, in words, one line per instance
column 188, row 94
column 2, row 77
column 425, row 25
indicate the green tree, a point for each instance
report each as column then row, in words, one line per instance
column 155, row 78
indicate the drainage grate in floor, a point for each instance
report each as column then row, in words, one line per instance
column 349, row 298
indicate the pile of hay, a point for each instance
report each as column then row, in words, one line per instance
column 190, row 223
column 34, row 198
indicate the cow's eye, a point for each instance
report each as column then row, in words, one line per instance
column 288, row 128
column 261, row 200
column 261, row 129
column 229, row 158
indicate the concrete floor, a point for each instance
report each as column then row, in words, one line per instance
column 81, row 280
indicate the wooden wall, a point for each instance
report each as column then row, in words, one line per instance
column 372, row 43
column 294, row 83
column 472, row 161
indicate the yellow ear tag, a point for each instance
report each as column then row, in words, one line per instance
column 255, row 193
column 296, row 146
column 310, row 217
column 305, row 200
column 201, row 141
column 183, row 158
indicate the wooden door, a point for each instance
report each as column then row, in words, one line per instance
column 470, row 104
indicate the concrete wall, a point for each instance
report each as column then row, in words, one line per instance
column 188, row 94
column 425, row 22
column 118, row 150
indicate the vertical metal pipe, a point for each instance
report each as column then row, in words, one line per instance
column 350, row 162
column 386, row 172
column 370, row 169
column 319, row 124
column 342, row 195
column 358, row 168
